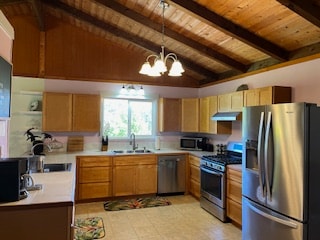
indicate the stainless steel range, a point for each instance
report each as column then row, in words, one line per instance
column 213, row 179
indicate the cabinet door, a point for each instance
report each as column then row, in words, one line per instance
column 146, row 179
column 169, row 115
column 234, row 211
column 230, row 102
column 251, row 97
column 86, row 113
column 190, row 115
column 204, row 115
column 217, row 127
column 123, row 180
column 57, row 112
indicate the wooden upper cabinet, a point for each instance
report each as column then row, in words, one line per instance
column 169, row 115
column 230, row 102
column 217, row 127
column 190, row 115
column 64, row 112
column 86, row 113
column 267, row 95
column 57, row 111
column 204, row 125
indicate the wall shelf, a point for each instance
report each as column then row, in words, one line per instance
column 30, row 93
column 30, row 112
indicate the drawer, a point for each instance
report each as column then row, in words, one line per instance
column 135, row 160
column 95, row 161
column 94, row 190
column 234, row 211
column 95, row 174
column 234, row 174
column 195, row 173
column 234, row 190
column 195, row 188
column 194, row 161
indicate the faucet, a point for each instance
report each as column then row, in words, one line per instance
column 38, row 144
column 133, row 141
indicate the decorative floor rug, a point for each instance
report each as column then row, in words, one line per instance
column 89, row 228
column 135, row 203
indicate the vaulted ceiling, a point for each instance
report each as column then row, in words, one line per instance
column 215, row 40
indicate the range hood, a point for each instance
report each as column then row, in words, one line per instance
column 226, row 116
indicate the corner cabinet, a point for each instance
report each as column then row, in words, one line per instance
column 169, row 115
column 94, row 177
column 234, row 191
column 190, row 115
column 267, row 95
column 64, row 112
column 194, row 176
column 134, row 175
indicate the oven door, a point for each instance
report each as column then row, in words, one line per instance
column 213, row 186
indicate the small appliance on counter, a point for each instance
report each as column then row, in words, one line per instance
column 12, row 179
column 195, row 144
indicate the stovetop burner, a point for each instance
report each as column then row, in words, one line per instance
column 223, row 159
column 233, row 155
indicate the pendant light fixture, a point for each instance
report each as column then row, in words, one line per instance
column 159, row 64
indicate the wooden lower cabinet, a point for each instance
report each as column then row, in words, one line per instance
column 194, row 176
column 94, row 177
column 234, row 193
column 134, row 175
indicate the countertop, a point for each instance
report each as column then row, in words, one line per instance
column 58, row 187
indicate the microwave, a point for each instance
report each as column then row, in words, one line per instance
column 191, row 143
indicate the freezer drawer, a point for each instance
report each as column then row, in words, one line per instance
column 260, row 223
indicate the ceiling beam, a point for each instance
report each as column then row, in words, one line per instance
column 10, row 2
column 307, row 9
column 141, row 42
column 202, row 49
column 211, row 18
column 37, row 9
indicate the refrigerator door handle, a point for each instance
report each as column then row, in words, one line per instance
column 272, row 218
column 267, row 157
column 259, row 153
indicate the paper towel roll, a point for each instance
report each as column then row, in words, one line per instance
column 157, row 143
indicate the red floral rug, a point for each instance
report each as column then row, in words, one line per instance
column 135, row 203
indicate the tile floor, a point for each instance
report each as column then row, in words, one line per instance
column 184, row 220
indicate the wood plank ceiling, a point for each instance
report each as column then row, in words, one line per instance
column 215, row 40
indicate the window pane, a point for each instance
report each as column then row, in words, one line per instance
column 121, row 117
column 115, row 117
column 141, row 117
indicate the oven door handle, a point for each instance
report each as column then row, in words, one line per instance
column 210, row 171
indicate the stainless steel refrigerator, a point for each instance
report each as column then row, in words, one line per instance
column 281, row 172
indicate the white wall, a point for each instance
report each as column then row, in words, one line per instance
column 304, row 78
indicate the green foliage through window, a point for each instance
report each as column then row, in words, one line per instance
column 121, row 117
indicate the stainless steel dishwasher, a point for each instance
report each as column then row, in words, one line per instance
column 171, row 174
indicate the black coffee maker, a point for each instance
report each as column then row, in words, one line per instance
column 12, row 184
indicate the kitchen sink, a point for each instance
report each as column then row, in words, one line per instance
column 132, row 151
column 57, row 167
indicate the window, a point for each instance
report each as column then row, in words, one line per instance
column 121, row 117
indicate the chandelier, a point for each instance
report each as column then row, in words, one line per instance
column 159, row 64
